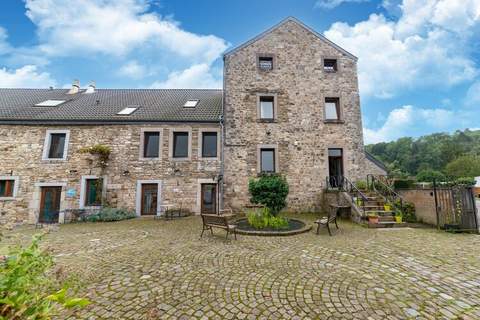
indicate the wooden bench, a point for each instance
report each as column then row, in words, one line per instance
column 211, row 221
column 331, row 218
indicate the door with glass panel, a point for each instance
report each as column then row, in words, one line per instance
column 149, row 199
column 209, row 198
column 49, row 204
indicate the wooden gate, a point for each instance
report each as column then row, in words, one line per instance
column 455, row 207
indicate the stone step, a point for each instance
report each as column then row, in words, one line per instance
column 380, row 212
column 387, row 224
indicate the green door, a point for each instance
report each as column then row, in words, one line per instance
column 50, row 204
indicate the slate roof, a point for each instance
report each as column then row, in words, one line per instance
column 155, row 105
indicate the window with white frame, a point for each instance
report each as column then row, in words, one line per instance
column 93, row 192
column 266, row 107
column 56, row 145
column 332, row 109
column 209, row 144
column 8, row 186
column 267, row 160
column 151, row 144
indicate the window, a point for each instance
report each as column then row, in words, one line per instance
column 56, row 145
column 127, row 111
column 330, row 65
column 93, row 192
column 265, row 63
column 180, row 145
column 267, row 160
column 191, row 104
column 209, row 144
column 332, row 109
column 267, row 107
column 50, row 103
column 151, row 144
column 7, row 188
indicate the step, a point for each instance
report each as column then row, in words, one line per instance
column 379, row 212
column 387, row 224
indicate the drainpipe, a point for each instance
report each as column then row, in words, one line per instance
column 222, row 143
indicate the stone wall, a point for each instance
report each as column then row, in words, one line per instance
column 21, row 156
column 300, row 132
column 373, row 168
column 424, row 202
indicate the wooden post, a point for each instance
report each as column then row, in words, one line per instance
column 436, row 202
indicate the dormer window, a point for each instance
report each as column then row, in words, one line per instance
column 265, row 63
column 330, row 65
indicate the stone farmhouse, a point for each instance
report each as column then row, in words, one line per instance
column 290, row 105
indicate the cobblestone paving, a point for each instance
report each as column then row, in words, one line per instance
column 146, row 269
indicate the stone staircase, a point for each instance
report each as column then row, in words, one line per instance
column 375, row 205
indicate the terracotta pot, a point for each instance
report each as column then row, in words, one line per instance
column 373, row 219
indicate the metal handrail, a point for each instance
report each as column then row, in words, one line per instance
column 342, row 183
column 379, row 186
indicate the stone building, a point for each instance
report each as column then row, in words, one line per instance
column 289, row 105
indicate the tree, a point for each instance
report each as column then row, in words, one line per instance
column 428, row 175
column 464, row 166
column 269, row 190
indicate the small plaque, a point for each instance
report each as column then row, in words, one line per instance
column 71, row 193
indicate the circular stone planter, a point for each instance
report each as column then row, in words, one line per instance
column 295, row 227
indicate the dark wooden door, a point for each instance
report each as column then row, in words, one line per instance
column 149, row 198
column 209, row 198
column 335, row 167
column 50, row 204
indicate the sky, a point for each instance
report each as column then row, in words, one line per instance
column 419, row 60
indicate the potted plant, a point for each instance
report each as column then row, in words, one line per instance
column 398, row 217
column 372, row 218
column 387, row 206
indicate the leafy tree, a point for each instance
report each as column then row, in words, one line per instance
column 269, row 190
column 465, row 166
column 428, row 175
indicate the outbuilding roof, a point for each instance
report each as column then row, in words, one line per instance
column 103, row 105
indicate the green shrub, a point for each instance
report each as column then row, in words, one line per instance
column 467, row 181
column 408, row 212
column 27, row 289
column 403, row 183
column 269, row 190
column 262, row 219
column 428, row 175
column 110, row 214
column 361, row 185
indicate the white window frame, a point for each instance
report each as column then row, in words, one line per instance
column 170, row 148
column 48, row 140
column 259, row 106
column 142, row 143
column 16, row 181
column 37, row 199
column 200, row 143
column 138, row 196
column 83, row 191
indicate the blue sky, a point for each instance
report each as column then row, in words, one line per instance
column 418, row 63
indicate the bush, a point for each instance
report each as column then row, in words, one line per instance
column 403, row 183
column 408, row 212
column 428, row 175
column 110, row 214
column 361, row 185
column 264, row 219
column 467, row 181
column 269, row 190
column 27, row 290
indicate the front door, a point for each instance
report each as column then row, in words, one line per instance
column 209, row 198
column 149, row 198
column 335, row 167
column 49, row 204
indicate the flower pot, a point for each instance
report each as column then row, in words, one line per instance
column 398, row 219
column 387, row 207
column 373, row 219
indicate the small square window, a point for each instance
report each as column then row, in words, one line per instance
column 93, row 192
column 209, row 145
column 151, row 144
column 267, row 107
column 265, row 63
column 267, row 160
column 6, row 188
column 57, row 145
column 332, row 109
column 180, row 144
column 330, row 65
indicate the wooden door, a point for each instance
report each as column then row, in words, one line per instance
column 335, row 167
column 50, row 204
column 149, row 198
column 209, row 198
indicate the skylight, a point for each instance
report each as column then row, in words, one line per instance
column 191, row 104
column 50, row 103
column 127, row 111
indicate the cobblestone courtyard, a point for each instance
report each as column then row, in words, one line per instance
column 146, row 269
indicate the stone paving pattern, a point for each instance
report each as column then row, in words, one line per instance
column 149, row 269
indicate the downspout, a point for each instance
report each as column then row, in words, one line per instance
column 222, row 145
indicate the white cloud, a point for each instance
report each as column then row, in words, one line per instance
column 4, row 45
column 115, row 27
column 197, row 76
column 330, row 4
column 133, row 69
column 407, row 120
column 25, row 77
column 473, row 95
column 427, row 46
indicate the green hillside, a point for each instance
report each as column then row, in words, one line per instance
column 452, row 155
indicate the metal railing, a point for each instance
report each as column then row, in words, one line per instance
column 342, row 183
column 379, row 185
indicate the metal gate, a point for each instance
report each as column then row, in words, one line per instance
column 455, row 207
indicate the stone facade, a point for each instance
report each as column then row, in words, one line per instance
column 300, row 132
column 21, row 154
